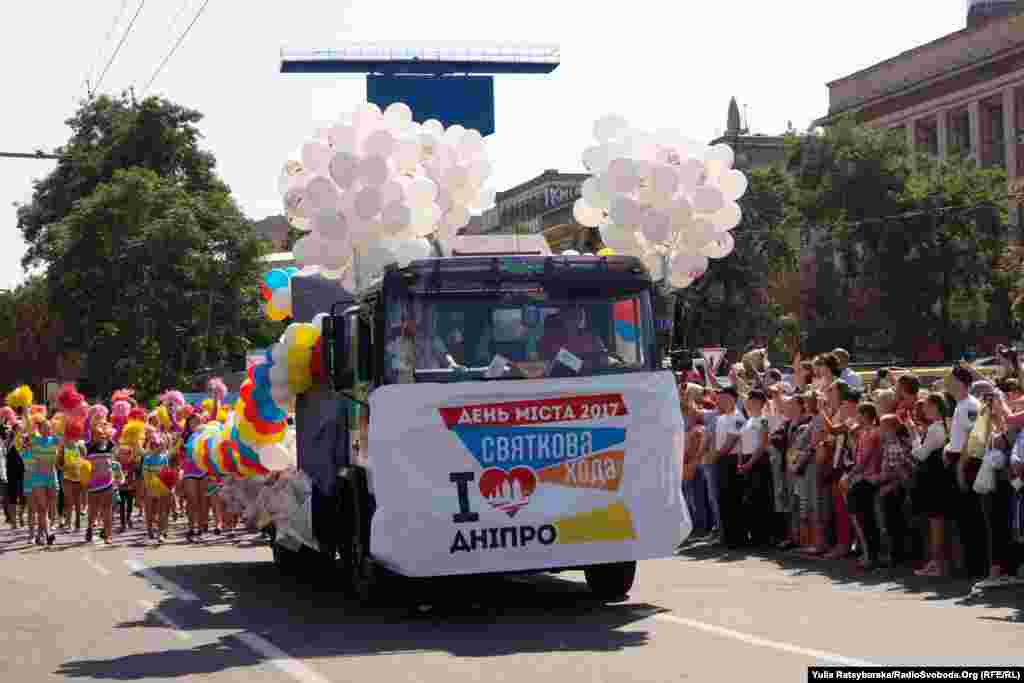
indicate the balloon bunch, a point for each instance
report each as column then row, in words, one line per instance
column 275, row 288
column 70, row 401
column 661, row 197
column 378, row 183
column 20, row 398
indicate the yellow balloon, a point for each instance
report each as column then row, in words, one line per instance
column 607, row 251
column 274, row 313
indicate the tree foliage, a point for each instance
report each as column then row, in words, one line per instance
column 148, row 261
column 901, row 244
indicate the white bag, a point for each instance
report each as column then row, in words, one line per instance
column 985, row 482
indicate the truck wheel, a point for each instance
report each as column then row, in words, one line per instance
column 611, row 581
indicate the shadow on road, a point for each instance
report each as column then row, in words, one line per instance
column 472, row 617
column 847, row 575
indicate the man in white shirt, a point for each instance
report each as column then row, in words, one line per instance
column 727, row 447
column 969, row 516
column 846, row 374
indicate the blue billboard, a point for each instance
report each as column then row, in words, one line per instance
column 464, row 100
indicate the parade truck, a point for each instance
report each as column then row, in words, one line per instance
column 491, row 413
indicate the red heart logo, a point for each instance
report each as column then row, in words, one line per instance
column 508, row 491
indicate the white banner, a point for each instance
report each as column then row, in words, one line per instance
column 528, row 474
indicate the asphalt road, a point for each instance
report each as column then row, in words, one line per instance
column 219, row 611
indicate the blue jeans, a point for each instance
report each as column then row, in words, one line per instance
column 696, row 496
column 710, row 475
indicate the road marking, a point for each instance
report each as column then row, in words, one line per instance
column 96, row 565
column 279, row 659
column 169, row 586
column 762, row 642
column 165, row 620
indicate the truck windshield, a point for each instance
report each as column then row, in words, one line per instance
column 518, row 335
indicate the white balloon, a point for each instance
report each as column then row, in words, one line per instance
column 701, row 233
column 276, row 457
column 322, row 193
column 609, row 127
column 335, row 253
column 455, row 177
column 691, row 174
column 380, row 143
column 330, row 224
column 433, row 127
column 374, row 171
column 406, row 155
column 585, row 214
column 708, row 199
column 290, row 176
column 733, row 184
column 625, row 211
column 296, row 202
column 722, row 154
column 454, row 134
column 307, row 250
column 316, row 156
column 457, row 217
column 396, row 214
column 596, row 158
column 344, row 169
column 368, row 203
column 664, row 180
column 392, row 191
column 399, row 113
column 622, row 176
column 681, row 213
column 479, row 171
column 471, row 146
column 343, row 138
column 421, row 192
column 656, row 226
column 591, row 191
column 728, row 217
column 367, row 115
column 721, row 247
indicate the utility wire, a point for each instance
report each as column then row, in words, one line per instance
column 117, row 50
column 175, row 47
column 106, row 43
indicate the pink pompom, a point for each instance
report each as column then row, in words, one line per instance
column 7, row 415
column 217, row 389
column 98, row 412
column 120, row 410
column 173, row 399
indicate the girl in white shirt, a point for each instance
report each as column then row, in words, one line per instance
column 935, row 493
column 756, row 469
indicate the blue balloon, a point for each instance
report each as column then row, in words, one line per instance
column 276, row 279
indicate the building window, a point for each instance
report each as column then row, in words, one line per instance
column 959, row 130
column 926, row 137
column 993, row 139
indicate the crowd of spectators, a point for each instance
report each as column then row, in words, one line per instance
column 896, row 474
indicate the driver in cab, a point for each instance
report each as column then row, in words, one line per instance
column 565, row 330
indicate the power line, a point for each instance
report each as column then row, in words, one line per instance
column 106, row 43
column 174, row 49
column 117, row 50
column 32, row 155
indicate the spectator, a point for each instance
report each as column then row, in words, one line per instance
column 967, row 411
column 727, row 447
column 844, row 428
column 894, row 474
column 845, row 373
column 935, row 489
column 694, row 489
column 796, row 447
column 886, row 402
column 907, row 388
column 756, row 470
column 862, row 481
column 708, row 470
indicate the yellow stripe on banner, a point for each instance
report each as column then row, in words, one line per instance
column 612, row 523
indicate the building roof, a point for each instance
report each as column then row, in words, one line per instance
column 942, row 58
column 550, row 175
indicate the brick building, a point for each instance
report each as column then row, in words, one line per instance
column 962, row 93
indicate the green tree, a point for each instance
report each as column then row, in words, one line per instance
column 881, row 219
column 148, row 260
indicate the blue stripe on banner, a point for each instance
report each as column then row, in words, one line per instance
column 625, row 331
column 508, row 447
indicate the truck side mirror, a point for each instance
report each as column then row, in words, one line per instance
column 348, row 344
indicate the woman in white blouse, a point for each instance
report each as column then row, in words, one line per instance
column 934, row 495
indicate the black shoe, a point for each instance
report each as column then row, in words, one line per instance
column 50, row 539
column 88, row 535
column 216, row 532
column 103, row 534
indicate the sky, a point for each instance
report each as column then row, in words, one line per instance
column 659, row 64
